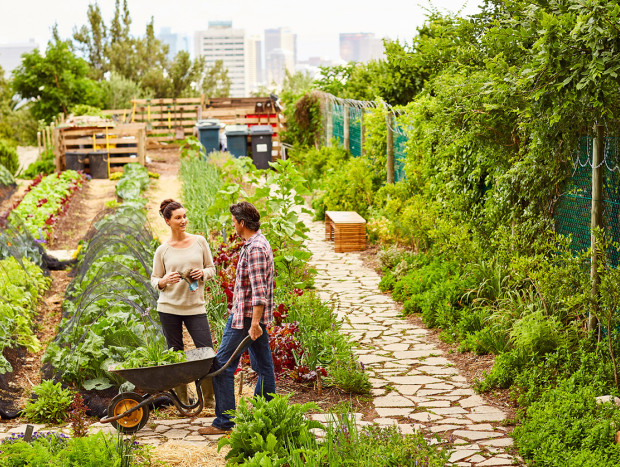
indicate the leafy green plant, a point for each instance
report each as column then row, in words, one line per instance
column 51, row 405
column 53, row 449
column 273, row 427
column 45, row 164
column 568, row 427
column 152, row 354
column 8, row 156
column 349, row 375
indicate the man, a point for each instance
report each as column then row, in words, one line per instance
column 252, row 311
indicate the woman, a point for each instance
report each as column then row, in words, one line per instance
column 180, row 268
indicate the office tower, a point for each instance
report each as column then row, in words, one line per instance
column 360, row 47
column 255, row 62
column 221, row 42
column 280, row 54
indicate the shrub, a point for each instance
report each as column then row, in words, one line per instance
column 315, row 163
column 567, row 427
column 8, row 156
column 350, row 376
column 45, row 164
column 350, row 188
column 51, row 405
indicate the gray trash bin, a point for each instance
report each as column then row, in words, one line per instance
column 261, row 145
column 237, row 140
column 209, row 134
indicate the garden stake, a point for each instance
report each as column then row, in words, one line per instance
column 319, row 385
column 240, row 382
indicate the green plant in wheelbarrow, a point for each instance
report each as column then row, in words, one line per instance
column 151, row 354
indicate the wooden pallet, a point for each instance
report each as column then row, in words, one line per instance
column 123, row 143
column 347, row 229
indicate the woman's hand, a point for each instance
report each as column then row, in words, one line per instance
column 197, row 274
column 171, row 278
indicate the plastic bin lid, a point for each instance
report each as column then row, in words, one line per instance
column 209, row 123
column 261, row 130
column 237, row 130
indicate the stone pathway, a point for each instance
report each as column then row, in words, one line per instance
column 413, row 384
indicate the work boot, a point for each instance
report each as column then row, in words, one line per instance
column 181, row 392
column 206, row 385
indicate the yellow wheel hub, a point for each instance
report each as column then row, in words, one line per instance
column 133, row 418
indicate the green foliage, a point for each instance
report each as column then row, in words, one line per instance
column 45, row 164
column 274, row 428
column 152, row 354
column 216, row 82
column 349, row 375
column 22, row 285
column 8, row 156
column 200, row 183
column 49, row 450
column 119, row 91
column 314, row 163
column 56, row 81
column 134, row 181
column 349, row 188
column 45, row 200
column 567, row 427
column 51, row 405
column 6, row 178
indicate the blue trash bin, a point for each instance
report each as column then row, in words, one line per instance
column 237, row 140
column 209, row 134
column 261, row 145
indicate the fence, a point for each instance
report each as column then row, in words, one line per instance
column 573, row 212
column 344, row 123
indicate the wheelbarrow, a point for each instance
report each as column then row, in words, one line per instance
column 129, row 411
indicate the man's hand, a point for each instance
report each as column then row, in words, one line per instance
column 255, row 331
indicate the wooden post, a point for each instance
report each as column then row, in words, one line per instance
column 597, row 217
column 345, row 129
column 390, row 148
column 39, row 142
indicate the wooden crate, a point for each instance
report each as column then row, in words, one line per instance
column 124, row 143
column 347, row 229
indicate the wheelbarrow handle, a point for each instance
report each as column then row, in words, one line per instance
column 238, row 351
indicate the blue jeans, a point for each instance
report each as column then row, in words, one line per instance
column 224, row 383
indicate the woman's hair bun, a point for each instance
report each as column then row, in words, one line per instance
column 167, row 206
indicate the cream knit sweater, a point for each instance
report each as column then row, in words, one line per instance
column 177, row 298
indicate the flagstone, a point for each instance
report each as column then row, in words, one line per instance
column 407, row 389
column 476, row 435
column 460, row 454
column 424, row 416
column 487, row 417
column 413, row 379
column 392, row 401
column 499, row 442
column 393, row 411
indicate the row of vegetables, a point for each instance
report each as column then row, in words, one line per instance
column 23, row 281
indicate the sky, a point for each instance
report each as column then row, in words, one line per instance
column 316, row 22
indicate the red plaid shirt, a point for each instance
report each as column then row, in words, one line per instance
column 254, row 281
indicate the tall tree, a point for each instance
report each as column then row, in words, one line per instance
column 56, row 82
column 184, row 74
column 216, row 82
column 91, row 40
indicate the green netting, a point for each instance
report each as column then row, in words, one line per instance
column 573, row 212
column 355, row 131
column 338, row 123
column 400, row 141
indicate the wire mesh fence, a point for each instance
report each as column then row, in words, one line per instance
column 573, row 212
column 344, row 123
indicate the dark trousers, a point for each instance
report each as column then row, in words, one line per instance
column 197, row 326
column 224, row 383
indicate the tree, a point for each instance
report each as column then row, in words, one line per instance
column 91, row 41
column 56, row 82
column 216, row 82
column 185, row 75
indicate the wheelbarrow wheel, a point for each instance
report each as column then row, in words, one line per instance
column 134, row 421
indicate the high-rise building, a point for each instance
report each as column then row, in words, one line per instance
column 221, row 42
column 280, row 54
column 255, row 62
column 175, row 41
column 360, row 47
column 11, row 54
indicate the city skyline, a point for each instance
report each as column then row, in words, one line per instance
column 317, row 28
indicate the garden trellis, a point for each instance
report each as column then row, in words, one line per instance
column 343, row 122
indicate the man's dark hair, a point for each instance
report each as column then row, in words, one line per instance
column 246, row 212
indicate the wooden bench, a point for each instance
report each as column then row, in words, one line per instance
column 347, row 229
